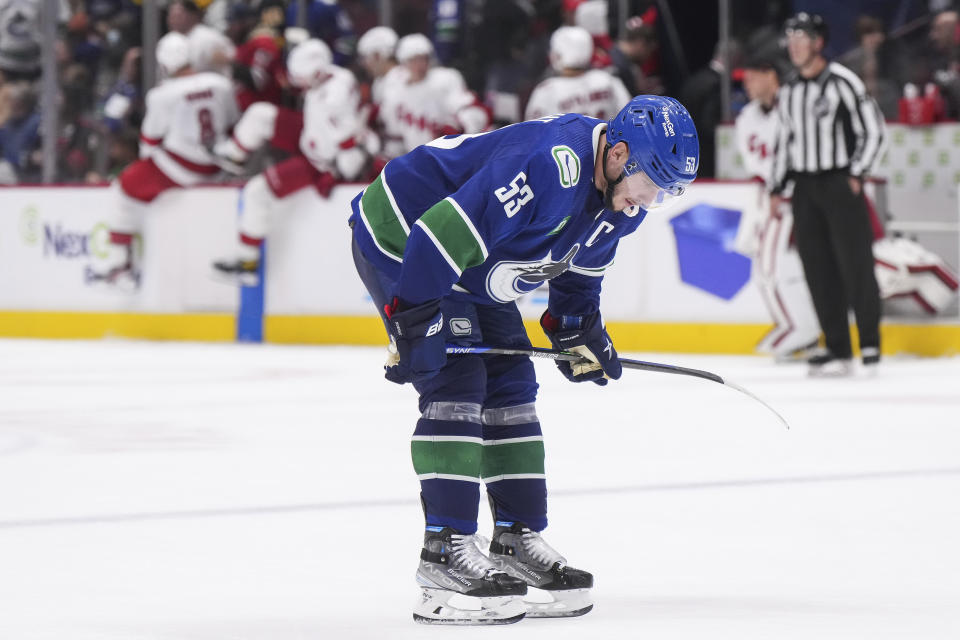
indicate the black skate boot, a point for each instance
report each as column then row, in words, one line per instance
column 557, row 590
column 238, row 270
column 461, row 585
column 827, row 365
column 123, row 277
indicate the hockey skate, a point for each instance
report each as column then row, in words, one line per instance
column 124, row 277
column 827, row 365
column 798, row 354
column 871, row 360
column 557, row 590
column 243, row 272
column 460, row 585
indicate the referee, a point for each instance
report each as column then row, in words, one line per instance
column 830, row 136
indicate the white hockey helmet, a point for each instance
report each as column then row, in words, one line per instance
column 308, row 61
column 413, row 45
column 379, row 41
column 570, row 48
column 173, row 52
column 592, row 16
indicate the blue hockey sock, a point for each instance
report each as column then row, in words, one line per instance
column 513, row 467
column 447, row 451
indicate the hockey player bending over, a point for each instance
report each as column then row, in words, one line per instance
column 329, row 146
column 446, row 239
column 187, row 114
column 576, row 88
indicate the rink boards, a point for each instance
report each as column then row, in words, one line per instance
column 678, row 284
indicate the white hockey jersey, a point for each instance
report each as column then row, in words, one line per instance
column 185, row 118
column 332, row 122
column 595, row 93
column 418, row 112
column 387, row 83
column 756, row 133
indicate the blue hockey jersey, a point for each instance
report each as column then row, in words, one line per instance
column 489, row 217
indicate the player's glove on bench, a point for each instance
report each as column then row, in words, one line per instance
column 584, row 335
column 416, row 334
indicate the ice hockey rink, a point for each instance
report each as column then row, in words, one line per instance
column 248, row 492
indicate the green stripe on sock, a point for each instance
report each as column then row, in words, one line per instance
column 456, row 458
column 516, row 457
column 387, row 230
column 450, row 230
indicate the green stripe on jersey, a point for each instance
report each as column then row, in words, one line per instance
column 512, row 458
column 385, row 224
column 454, row 235
column 453, row 458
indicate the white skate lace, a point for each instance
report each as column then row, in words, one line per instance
column 467, row 553
column 538, row 549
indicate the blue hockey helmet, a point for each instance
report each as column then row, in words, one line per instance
column 662, row 142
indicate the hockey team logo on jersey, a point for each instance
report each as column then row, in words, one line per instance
column 821, row 107
column 509, row 279
column 569, row 165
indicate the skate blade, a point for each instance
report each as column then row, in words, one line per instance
column 119, row 286
column 829, row 372
column 569, row 603
column 241, row 279
column 439, row 606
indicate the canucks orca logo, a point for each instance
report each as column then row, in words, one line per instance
column 508, row 279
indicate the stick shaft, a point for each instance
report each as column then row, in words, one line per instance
column 627, row 363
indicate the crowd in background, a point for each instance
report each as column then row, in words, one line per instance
column 908, row 54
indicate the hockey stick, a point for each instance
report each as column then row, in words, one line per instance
column 553, row 354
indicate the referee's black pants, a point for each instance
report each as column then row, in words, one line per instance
column 832, row 230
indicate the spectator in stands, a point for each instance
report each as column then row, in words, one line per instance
column 79, row 136
column 508, row 56
column 123, row 149
column 210, row 50
column 701, row 95
column 258, row 67
column 119, row 24
column 123, row 105
column 878, row 63
column 619, row 12
column 941, row 64
column 20, row 37
column 634, row 57
column 327, row 21
column 19, row 134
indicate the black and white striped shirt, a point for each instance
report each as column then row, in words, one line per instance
column 827, row 123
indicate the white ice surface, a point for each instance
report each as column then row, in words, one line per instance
column 196, row 492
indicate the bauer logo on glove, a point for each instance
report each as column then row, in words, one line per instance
column 418, row 350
